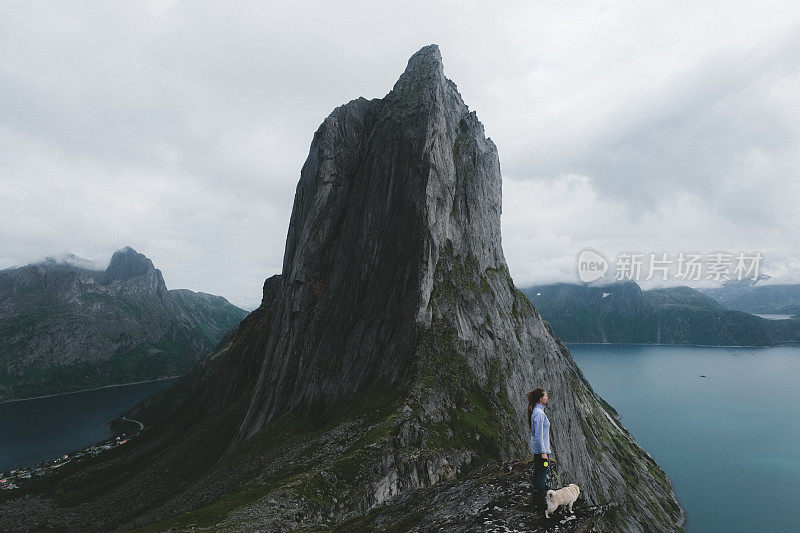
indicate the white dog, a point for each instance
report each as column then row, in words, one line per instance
column 565, row 496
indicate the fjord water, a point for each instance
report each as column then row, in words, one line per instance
column 41, row 429
column 729, row 441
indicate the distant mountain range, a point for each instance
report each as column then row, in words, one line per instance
column 66, row 326
column 624, row 313
column 757, row 297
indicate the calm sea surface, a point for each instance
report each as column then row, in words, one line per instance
column 45, row 428
column 729, row 441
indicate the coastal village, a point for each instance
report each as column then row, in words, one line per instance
column 15, row 479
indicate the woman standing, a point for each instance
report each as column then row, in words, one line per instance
column 540, row 441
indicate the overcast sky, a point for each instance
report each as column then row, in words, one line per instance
column 180, row 130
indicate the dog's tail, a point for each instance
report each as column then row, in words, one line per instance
column 550, row 494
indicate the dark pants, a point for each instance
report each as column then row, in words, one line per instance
column 540, row 482
column 540, row 474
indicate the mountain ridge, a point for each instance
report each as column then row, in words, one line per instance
column 753, row 296
column 66, row 327
column 624, row 313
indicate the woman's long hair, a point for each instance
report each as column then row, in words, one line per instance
column 533, row 398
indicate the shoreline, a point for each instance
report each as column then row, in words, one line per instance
column 46, row 466
column 113, row 385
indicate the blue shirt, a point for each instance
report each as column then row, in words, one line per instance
column 540, row 431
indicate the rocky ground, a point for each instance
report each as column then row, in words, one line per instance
column 490, row 499
column 494, row 498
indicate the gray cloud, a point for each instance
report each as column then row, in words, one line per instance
column 180, row 128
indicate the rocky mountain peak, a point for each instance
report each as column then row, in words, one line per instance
column 136, row 270
column 62, row 328
column 394, row 278
column 424, row 68
column 126, row 264
column 388, row 188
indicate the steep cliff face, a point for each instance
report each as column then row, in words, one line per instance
column 387, row 187
column 134, row 273
column 65, row 326
column 393, row 353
